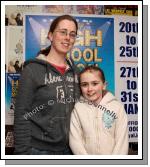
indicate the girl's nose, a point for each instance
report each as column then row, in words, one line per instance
column 89, row 87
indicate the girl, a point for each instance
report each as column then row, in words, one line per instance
column 98, row 121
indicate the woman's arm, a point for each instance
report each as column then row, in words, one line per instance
column 22, row 129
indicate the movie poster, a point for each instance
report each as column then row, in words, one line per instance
column 94, row 43
column 14, row 49
column 126, row 69
column 128, row 10
column 74, row 9
column 12, row 81
column 9, row 137
column 14, row 13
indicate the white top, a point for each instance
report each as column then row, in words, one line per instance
column 100, row 129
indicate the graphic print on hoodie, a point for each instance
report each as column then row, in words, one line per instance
column 46, row 99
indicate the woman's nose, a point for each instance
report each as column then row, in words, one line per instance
column 67, row 36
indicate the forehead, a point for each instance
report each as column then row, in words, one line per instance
column 67, row 24
column 90, row 76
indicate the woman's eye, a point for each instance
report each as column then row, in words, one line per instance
column 72, row 35
column 63, row 32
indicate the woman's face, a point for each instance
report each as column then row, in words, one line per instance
column 92, row 86
column 63, row 37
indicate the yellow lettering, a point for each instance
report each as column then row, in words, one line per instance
column 14, row 85
column 80, row 66
column 88, row 55
column 80, row 40
column 129, row 12
column 96, row 59
column 97, row 37
column 77, row 58
column 85, row 52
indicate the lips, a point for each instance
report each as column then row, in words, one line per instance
column 66, row 44
column 90, row 95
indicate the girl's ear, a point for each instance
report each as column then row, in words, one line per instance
column 104, row 86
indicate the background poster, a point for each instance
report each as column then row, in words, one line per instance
column 94, row 44
column 126, row 69
column 108, row 41
column 14, row 48
column 128, row 10
column 14, row 11
column 11, row 81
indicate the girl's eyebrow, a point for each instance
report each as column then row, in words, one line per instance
column 93, row 81
column 89, row 82
column 83, row 82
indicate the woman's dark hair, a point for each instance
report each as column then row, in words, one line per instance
column 93, row 68
column 59, row 19
column 53, row 26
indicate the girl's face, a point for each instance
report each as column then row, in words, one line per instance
column 92, row 86
column 63, row 37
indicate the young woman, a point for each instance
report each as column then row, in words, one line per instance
column 98, row 121
column 47, row 91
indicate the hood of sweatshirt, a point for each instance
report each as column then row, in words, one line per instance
column 108, row 97
column 41, row 59
column 44, row 73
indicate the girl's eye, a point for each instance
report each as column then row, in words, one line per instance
column 83, row 84
column 95, row 83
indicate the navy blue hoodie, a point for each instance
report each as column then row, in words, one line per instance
column 44, row 103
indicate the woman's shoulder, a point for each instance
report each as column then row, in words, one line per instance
column 34, row 62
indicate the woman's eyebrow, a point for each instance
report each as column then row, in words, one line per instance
column 66, row 29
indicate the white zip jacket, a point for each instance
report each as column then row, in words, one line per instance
column 99, row 130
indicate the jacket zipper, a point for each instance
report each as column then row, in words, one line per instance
column 66, row 93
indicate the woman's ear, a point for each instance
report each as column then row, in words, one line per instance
column 50, row 36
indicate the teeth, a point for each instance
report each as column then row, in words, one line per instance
column 90, row 94
column 65, row 44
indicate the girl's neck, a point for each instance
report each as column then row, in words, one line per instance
column 98, row 100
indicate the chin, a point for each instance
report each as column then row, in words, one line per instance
column 64, row 51
column 92, row 100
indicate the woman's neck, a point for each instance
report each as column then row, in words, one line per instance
column 56, row 58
